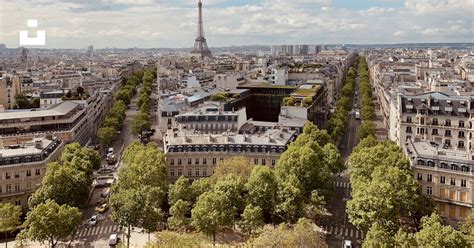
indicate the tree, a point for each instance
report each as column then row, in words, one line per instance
column 150, row 218
column 332, row 158
column 366, row 129
column 315, row 207
column 252, row 219
column 50, row 222
column 140, row 123
column 301, row 235
column 239, row 166
column 180, row 190
column 167, row 239
column 81, row 158
column 106, row 136
column 22, row 102
column 212, row 213
column 200, row 186
column 9, row 218
column 80, row 90
column 128, row 206
column 290, row 199
column 232, row 187
column 262, row 189
column 377, row 236
column 179, row 212
column 64, row 185
column 434, row 234
column 112, row 122
column 467, row 228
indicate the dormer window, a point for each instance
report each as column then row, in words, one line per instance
column 448, row 102
column 463, row 103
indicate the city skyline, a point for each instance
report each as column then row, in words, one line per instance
column 153, row 24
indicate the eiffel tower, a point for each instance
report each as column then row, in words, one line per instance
column 200, row 44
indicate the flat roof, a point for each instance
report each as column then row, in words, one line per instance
column 435, row 149
column 29, row 149
column 60, row 109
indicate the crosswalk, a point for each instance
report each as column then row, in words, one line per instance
column 339, row 184
column 344, row 232
column 97, row 230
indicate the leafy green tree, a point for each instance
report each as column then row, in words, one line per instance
column 150, row 219
column 366, row 129
column 252, row 219
column 112, row 122
column 435, row 234
column 106, row 136
column 212, row 213
column 81, row 158
column 51, row 222
column 467, row 228
column 124, row 95
column 316, row 205
column 332, row 158
column 377, row 236
column 262, row 189
column 232, row 187
column 200, row 186
column 239, row 166
column 301, row 235
column 22, row 102
column 168, row 239
column 290, row 199
column 128, row 206
column 64, row 185
column 9, row 219
column 404, row 239
column 179, row 212
column 140, row 123
column 180, row 190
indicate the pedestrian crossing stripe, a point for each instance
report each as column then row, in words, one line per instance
column 89, row 231
column 344, row 232
column 339, row 184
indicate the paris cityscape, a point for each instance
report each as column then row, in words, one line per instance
column 223, row 123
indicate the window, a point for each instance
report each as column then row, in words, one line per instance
column 190, row 173
column 190, row 161
column 447, row 133
column 196, row 161
column 461, row 134
column 447, row 123
column 171, row 161
column 255, row 161
column 408, row 130
column 179, row 161
column 453, row 181
column 408, row 119
column 180, row 172
column 9, row 188
column 28, row 173
column 197, row 172
column 429, row 178
column 204, row 172
column 172, row 172
column 447, row 142
column 204, row 161
column 435, row 121
column 435, row 131
column 214, row 160
column 17, row 202
column 37, row 172
column 460, row 144
column 420, row 176
column 463, row 183
column 442, row 179
column 461, row 123
column 28, row 185
column 429, row 190
column 17, row 187
column 7, row 175
column 422, row 121
column 264, row 161
column 273, row 161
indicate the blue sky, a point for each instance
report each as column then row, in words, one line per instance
column 172, row 23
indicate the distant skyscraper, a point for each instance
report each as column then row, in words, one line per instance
column 23, row 59
column 200, row 44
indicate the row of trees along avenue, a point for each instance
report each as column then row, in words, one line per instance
column 339, row 119
column 142, row 121
column 107, row 133
column 238, row 195
column 54, row 207
column 367, row 111
column 387, row 202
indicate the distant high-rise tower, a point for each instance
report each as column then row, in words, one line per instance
column 24, row 59
column 200, row 44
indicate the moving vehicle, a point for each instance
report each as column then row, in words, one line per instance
column 110, row 150
column 347, row 244
column 102, row 208
column 111, row 159
column 113, row 240
column 357, row 115
column 93, row 220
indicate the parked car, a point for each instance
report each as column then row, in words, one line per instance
column 113, row 240
column 93, row 220
column 357, row 115
column 102, row 208
column 347, row 244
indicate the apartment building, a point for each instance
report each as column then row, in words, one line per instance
column 9, row 87
column 196, row 156
column 23, row 166
column 435, row 116
column 445, row 174
column 211, row 118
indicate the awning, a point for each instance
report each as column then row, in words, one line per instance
column 449, row 109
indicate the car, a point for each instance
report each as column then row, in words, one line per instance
column 93, row 220
column 347, row 244
column 102, row 208
column 355, row 105
column 110, row 150
column 113, row 240
column 357, row 115
column 105, row 193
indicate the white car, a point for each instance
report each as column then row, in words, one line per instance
column 113, row 240
column 93, row 220
column 110, row 151
column 347, row 244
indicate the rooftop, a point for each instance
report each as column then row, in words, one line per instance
column 57, row 110
column 435, row 150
